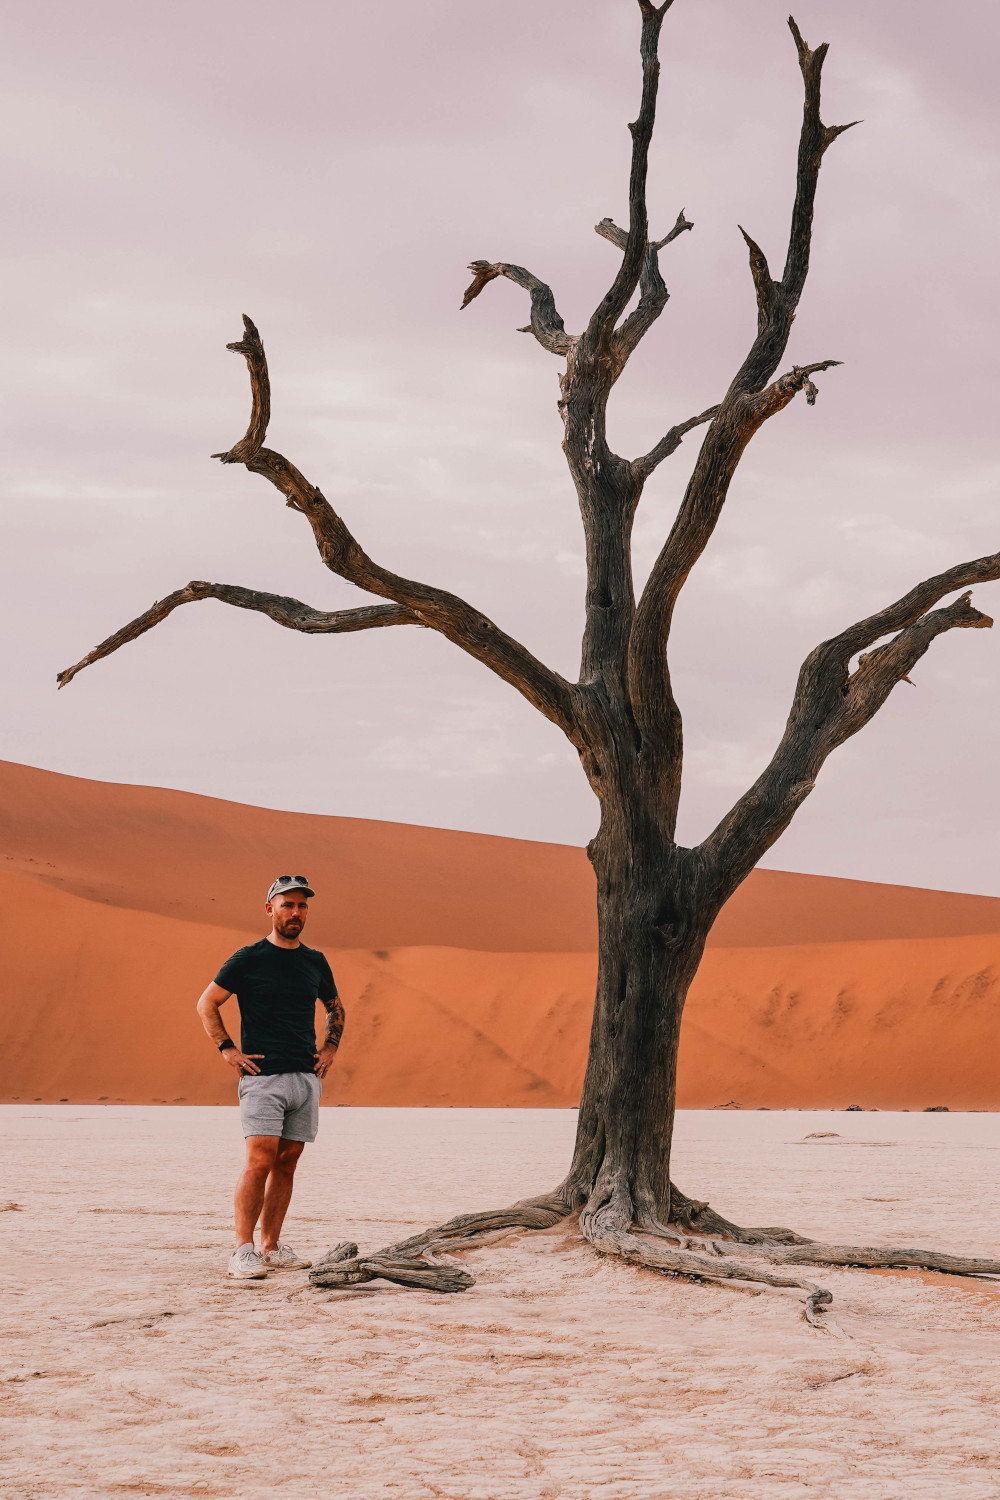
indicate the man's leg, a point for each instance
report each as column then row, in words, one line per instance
column 278, row 1193
column 262, row 1152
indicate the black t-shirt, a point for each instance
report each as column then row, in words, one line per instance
column 277, row 989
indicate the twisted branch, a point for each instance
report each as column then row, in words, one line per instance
column 251, row 347
column 652, row 1253
column 725, row 1259
column 418, row 603
column 671, row 440
column 653, row 294
column 546, row 324
column 417, row 1261
column 776, row 396
column 291, row 613
column 832, row 703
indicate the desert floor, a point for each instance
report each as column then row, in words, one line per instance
column 130, row 1368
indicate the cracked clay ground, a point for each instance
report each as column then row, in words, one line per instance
column 130, row 1368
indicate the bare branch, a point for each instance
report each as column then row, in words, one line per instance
column 680, row 224
column 546, row 324
column 291, row 613
column 763, row 285
column 832, row 703
column 444, row 612
column 668, row 444
column 609, row 230
column 908, row 609
column 878, row 671
column 653, row 294
column 251, row 347
column 778, row 300
column 748, row 403
column 813, row 142
column 484, row 271
column 776, row 396
column 416, row 603
column 602, row 324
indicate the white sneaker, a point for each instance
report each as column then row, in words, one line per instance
column 245, row 1264
column 284, row 1258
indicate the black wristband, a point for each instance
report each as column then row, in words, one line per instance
column 224, row 1046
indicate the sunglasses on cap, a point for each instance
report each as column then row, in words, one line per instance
column 289, row 883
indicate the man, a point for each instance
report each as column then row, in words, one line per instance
column 277, row 982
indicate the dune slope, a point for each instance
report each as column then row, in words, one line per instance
column 389, row 885
column 103, row 1008
column 813, row 992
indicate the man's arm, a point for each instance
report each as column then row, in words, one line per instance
column 212, row 999
column 334, row 1031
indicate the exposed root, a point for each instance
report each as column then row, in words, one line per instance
column 610, row 1239
column 698, row 1243
column 785, row 1247
column 701, row 1244
column 702, row 1220
column 417, row 1262
column 675, row 1235
column 813, row 1253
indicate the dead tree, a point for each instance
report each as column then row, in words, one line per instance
column 656, row 899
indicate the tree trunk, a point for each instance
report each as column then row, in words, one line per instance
column 652, row 925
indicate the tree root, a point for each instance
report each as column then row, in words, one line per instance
column 871, row 1257
column 415, row 1262
column 697, row 1243
column 784, row 1247
column 702, row 1220
column 607, row 1237
column 716, row 1240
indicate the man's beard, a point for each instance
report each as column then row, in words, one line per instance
column 284, row 924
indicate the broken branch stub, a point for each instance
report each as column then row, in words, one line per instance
column 252, row 349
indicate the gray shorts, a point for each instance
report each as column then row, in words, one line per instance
column 285, row 1104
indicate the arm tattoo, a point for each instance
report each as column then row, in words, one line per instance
column 334, row 1021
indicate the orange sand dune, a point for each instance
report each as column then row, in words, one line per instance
column 889, row 1025
column 206, row 861
column 813, row 993
column 389, row 885
column 103, row 1008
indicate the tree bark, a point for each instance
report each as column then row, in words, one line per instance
column 652, row 925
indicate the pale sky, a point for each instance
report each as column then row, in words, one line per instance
column 330, row 169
